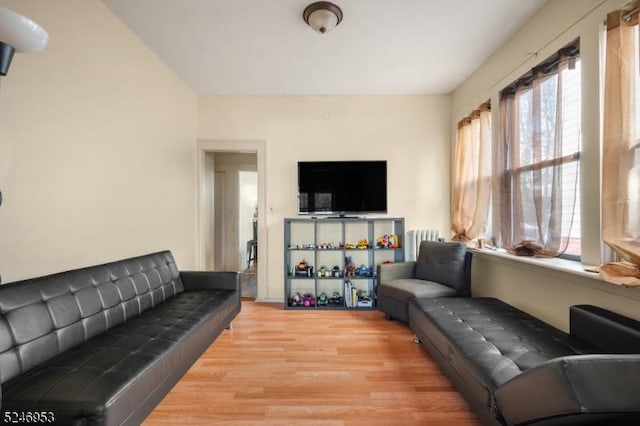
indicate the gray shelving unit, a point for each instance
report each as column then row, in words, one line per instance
column 326, row 242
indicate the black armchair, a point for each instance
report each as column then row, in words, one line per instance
column 443, row 269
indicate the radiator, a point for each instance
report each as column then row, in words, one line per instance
column 414, row 237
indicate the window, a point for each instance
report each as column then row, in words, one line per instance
column 539, row 159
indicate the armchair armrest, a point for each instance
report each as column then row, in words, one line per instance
column 574, row 387
column 393, row 271
column 210, row 280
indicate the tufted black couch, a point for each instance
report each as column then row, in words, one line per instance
column 514, row 369
column 104, row 344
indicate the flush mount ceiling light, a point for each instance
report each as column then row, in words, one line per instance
column 18, row 34
column 322, row 16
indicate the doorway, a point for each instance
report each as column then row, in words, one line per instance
column 235, row 201
column 231, row 233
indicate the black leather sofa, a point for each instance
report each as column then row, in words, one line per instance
column 443, row 269
column 514, row 369
column 104, row 344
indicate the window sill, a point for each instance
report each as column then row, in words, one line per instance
column 563, row 269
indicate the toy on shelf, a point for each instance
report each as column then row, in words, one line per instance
column 335, row 272
column 388, row 241
column 301, row 246
column 363, row 244
column 322, row 300
column 336, row 299
column 364, row 300
column 303, row 269
column 308, row 301
column 364, row 271
column 295, row 300
column 328, row 246
column 349, row 267
column 323, row 272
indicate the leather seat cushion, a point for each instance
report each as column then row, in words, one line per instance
column 407, row 288
column 490, row 338
column 104, row 378
column 442, row 262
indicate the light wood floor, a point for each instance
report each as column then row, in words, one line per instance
column 280, row 367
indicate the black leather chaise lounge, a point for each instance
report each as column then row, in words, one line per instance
column 514, row 369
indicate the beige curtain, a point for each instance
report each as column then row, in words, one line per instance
column 621, row 151
column 472, row 175
column 531, row 161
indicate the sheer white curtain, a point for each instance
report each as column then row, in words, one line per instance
column 472, row 175
column 621, row 149
column 538, row 162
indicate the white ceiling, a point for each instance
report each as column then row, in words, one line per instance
column 263, row 47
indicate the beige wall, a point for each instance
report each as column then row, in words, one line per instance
column 410, row 132
column 97, row 147
column 533, row 288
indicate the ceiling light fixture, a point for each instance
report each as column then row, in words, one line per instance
column 322, row 16
column 18, row 34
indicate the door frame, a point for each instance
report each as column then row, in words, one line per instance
column 205, row 245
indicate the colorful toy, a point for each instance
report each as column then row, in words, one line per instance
column 363, row 244
column 388, row 241
column 363, row 271
column 308, row 301
column 303, row 269
column 349, row 267
column 323, row 272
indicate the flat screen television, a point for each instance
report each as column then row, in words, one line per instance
column 342, row 187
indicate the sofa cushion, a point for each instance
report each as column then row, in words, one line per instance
column 103, row 378
column 443, row 262
column 408, row 288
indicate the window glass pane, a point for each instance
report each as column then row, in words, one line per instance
column 548, row 118
column 525, row 127
column 571, row 109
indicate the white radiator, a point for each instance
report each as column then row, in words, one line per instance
column 414, row 238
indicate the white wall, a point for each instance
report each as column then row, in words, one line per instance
column 97, row 147
column 532, row 288
column 410, row 132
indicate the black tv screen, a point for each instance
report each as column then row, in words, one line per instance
column 342, row 187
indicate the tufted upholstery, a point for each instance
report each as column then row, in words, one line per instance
column 102, row 345
column 443, row 269
column 512, row 367
column 443, row 262
column 497, row 340
column 44, row 317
